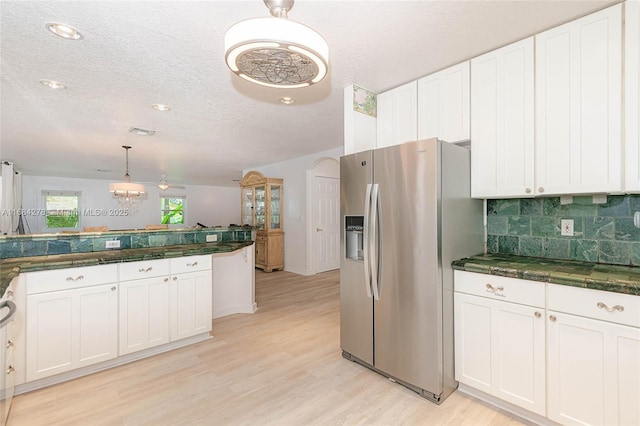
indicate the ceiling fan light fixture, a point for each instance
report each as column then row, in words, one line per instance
column 275, row 51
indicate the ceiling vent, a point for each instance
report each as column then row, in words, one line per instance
column 141, row 132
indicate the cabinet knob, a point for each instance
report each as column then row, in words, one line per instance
column 537, row 314
column 9, row 344
column 552, row 317
column 319, row 229
column 527, row 190
column 192, row 264
column 541, row 190
column 10, row 369
column 166, row 280
column 114, row 288
column 175, row 278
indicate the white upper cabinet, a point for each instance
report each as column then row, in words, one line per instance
column 632, row 95
column 443, row 104
column 502, row 122
column 578, row 106
column 397, row 115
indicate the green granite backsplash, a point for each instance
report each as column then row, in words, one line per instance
column 50, row 244
column 603, row 233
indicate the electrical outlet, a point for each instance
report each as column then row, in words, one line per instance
column 212, row 238
column 566, row 227
column 113, row 244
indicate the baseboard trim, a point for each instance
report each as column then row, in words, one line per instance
column 237, row 309
column 512, row 410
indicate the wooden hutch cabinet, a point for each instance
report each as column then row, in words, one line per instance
column 261, row 207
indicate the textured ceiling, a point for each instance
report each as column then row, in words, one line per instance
column 137, row 53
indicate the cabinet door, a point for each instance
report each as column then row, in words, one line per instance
column 144, row 314
column 443, row 104
column 473, row 342
column 71, row 329
column 632, row 95
column 593, row 371
column 261, row 251
column 578, row 106
column 502, row 136
column 500, row 350
column 397, row 115
column 191, row 304
column 97, row 319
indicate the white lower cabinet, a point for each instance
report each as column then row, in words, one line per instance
column 70, row 329
column 144, row 314
column 593, row 370
column 591, row 346
column 162, row 301
column 499, row 346
column 191, row 310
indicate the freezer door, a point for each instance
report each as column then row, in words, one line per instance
column 356, row 305
column 408, row 323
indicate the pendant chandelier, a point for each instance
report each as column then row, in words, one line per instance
column 127, row 193
column 275, row 51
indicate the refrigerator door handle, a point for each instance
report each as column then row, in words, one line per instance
column 373, row 241
column 366, row 254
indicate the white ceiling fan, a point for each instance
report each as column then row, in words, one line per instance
column 163, row 185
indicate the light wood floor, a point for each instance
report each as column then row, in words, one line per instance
column 279, row 366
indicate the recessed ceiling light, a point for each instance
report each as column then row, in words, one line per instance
column 287, row 100
column 53, row 84
column 160, row 107
column 64, row 31
column 141, row 132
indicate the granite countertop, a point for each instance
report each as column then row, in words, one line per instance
column 10, row 268
column 597, row 276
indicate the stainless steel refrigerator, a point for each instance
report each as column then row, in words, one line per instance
column 407, row 214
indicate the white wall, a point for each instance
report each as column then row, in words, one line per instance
column 209, row 205
column 295, row 223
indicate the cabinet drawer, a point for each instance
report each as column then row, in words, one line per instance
column 144, row 269
column 190, row 264
column 69, row 278
column 597, row 304
column 513, row 290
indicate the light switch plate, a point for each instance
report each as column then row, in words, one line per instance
column 212, row 238
column 112, row 244
column 566, row 227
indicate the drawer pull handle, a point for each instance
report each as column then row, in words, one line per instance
column 495, row 290
column 618, row 308
column 537, row 314
column 78, row 278
column 193, row 264
column 149, row 269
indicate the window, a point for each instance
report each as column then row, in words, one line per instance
column 173, row 209
column 61, row 209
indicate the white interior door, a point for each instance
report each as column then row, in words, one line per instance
column 326, row 214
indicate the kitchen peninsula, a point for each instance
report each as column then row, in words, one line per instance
column 84, row 308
